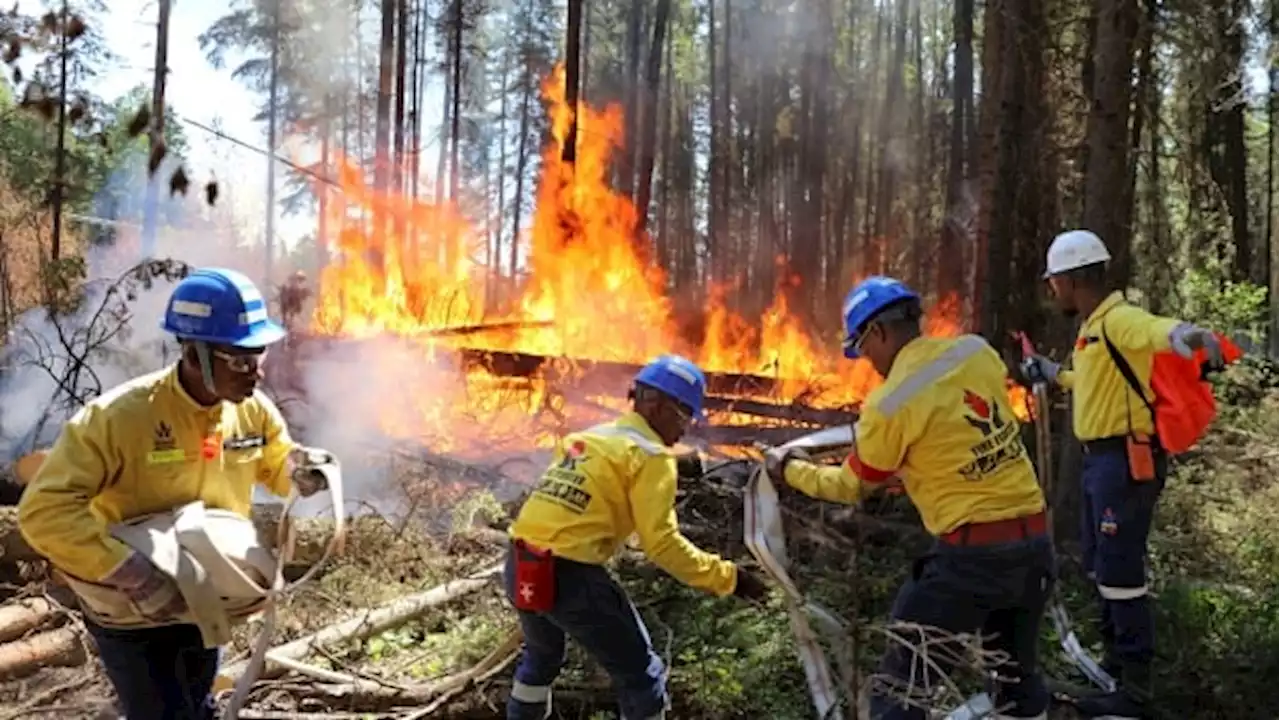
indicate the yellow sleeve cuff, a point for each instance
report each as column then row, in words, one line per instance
column 824, row 482
column 1066, row 379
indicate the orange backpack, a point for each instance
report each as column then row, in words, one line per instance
column 1184, row 404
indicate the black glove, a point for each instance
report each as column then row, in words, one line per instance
column 689, row 466
column 775, row 463
column 750, row 587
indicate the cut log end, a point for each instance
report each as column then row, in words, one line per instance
column 19, row 618
column 55, row 648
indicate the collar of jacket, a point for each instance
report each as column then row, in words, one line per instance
column 636, row 421
column 1107, row 305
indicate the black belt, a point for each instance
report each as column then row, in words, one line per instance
column 1113, row 444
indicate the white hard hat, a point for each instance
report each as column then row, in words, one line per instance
column 1074, row 249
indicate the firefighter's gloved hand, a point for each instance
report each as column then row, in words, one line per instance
column 1039, row 368
column 1186, row 338
column 154, row 595
column 689, row 466
column 749, row 586
column 309, row 465
column 775, row 463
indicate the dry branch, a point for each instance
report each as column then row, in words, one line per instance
column 21, row 617
column 55, row 648
column 374, row 621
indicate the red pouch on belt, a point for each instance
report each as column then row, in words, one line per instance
column 535, row 589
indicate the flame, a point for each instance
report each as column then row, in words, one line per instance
column 406, row 267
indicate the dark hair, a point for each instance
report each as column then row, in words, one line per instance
column 1094, row 275
column 899, row 316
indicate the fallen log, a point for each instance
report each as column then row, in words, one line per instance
column 54, row 648
column 793, row 412
column 746, row 435
column 602, row 375
column 368, row 623
column 21, row 617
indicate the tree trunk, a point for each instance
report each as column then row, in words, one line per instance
column 626, row 169
column 1107, row 135
column 572, row 78
column 716, row 154
column 649, row 139
column 1235, row 154
column 382, row 125
column 727, row 254
column 957, row 223
column 402, row 66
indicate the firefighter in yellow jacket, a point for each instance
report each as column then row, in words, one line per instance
column 941, row 424
column 604, row 484
column 1124, row 465
column 199, row 430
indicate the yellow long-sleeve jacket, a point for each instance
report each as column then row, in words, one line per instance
column 942, row 423
column 1105, row 406
column 144, row 447
column 606, row 483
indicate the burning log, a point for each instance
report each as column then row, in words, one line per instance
column 746, row 435
column 794, row 412
column 599, row 375
column 588, row 376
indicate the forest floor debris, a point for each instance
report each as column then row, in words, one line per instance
column 1214, row 553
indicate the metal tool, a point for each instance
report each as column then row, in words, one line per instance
column 1071, row 646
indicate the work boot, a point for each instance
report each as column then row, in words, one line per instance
column 1130, row 701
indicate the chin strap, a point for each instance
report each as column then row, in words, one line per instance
column 206, row 364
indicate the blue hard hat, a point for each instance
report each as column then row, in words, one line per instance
column 867, row 300
column 678, row 378
column 220, row 306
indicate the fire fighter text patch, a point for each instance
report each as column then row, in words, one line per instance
column 562, row 483
column 1000, row 442
column 244, row 443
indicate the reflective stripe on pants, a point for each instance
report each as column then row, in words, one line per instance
column 1116, row 515
column 594, row 610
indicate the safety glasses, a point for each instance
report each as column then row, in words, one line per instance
column 240, row 363
column 683, row 411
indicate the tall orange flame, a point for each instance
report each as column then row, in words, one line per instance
column 587, row 294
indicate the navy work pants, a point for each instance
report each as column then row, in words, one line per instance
column 593, row 609
column 999, row 591
column 1115, row 522
column 162, row 673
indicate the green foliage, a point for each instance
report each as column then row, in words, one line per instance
column 479, row 507
column 1210, row 298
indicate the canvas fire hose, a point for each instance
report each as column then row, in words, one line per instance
column 326, row 465
column 208, row 551
column 1071, row 646
column 767, row 542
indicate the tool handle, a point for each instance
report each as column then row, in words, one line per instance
column 1027, row 348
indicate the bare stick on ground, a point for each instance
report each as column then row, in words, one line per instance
column 374, row 621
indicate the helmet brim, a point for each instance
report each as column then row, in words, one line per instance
column 267, row 333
